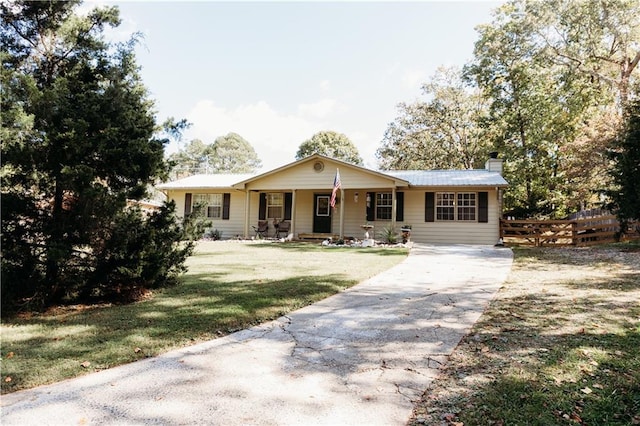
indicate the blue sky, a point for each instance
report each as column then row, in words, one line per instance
column 278, row 72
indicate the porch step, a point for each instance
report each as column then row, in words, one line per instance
column 318, row 236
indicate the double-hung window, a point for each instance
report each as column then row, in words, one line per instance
column 384, row 203
column 445, row 205
column 275, row 205
column 466, row 206
column 209, row 204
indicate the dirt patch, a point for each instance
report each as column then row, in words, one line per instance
column 560, row 344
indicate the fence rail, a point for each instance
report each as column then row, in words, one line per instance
column 577, row 232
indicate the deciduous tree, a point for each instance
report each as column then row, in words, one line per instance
column 331, row 144
column 233, row 154
column 442, row 132
column 227, row 154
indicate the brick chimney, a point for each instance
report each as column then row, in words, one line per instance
column 493, row 164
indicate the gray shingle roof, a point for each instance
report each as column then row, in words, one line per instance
column 449, row 177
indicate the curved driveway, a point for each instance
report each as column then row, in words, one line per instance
column 360, row 357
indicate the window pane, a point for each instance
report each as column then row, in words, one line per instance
column 445, row 202
column 275, row 205
column 467, row 206
column 208, row 204
column 322, row 207
column 384, row 201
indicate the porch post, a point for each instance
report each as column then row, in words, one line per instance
column 293, row 212
column 247, row 215
column 341, row 213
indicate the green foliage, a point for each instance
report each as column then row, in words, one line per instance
column 442, row 132
column 196, row 223
column 388, row 235
column 228, row 154
column 139, row 253
column 626, row 173
column 78, row 142
column 553, row 78
column 233, row 154
column 330, row 144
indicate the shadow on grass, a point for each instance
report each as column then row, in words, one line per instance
column 203, row 307
column 589, row 379
column 568, row 356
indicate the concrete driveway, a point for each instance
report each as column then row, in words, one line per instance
column 360, row 357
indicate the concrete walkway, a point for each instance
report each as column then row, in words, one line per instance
column 360, row 357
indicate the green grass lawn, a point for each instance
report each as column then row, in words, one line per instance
column 229, row 286
column 559, row 345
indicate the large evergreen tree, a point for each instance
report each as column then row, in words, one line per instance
column 78, row 145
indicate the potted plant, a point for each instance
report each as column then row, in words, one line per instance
column 406, row 233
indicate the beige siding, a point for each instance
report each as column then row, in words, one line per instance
column 439, row 232
column 450, row 232
column 303, row 176
column 230, row 228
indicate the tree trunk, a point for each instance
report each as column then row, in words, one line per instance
column 53, row 289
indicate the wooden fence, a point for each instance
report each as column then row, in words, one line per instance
column 578, row 232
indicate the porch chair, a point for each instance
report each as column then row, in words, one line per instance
column 262, row 228
column 284, row 227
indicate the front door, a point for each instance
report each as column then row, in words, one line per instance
column 322, row 214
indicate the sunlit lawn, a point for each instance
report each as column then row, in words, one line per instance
column 229, row 286
column 559, row 345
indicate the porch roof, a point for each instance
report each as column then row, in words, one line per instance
column 478, row 177
column 206, row 181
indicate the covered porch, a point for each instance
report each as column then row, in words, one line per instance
column 300, row 194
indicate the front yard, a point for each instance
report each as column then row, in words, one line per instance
column 229, row 286
column 560, row 345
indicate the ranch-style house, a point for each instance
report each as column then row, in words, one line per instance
column 441, row 206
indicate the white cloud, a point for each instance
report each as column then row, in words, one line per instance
column 325, row 85
column 275, row 136
column 320, row 109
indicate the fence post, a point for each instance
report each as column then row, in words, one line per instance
column 574, row 233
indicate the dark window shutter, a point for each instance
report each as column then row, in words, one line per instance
column 187, row 204
column 288, row 196
column 226, row 202
column 483, row 206
column 429, row 206
column 371, row 209
column 262, row 210
column 400, row 206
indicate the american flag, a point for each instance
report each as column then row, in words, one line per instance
column 336, row 185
